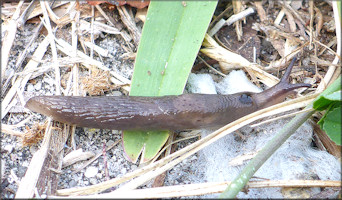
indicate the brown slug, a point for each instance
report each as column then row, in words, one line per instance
column 174, row 112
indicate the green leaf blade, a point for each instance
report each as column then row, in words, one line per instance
column 331, row 94
column 332, row 125
column 171, row 38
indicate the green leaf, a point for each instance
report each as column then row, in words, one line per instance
column 331, row 95
column 332, row 106
column 137, row 142
column 335, row 96
column 171, row 38
column 332, row 125
column 325, row 100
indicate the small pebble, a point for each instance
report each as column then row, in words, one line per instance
column 123, row 170
column 3, row 167
column 49, row 81
column 38, row 86
column 21, row 171
column 99, row 175
column 109, row 143
column 30, row 88
column 93, row 181
column 9, row 148
column 116, row 93
column 72, row 183
column 193, row 157
column 33, row 149
column 134, row 167
column 91, row 172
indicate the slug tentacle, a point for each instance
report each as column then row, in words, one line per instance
column 186, row 111
column 280, row 91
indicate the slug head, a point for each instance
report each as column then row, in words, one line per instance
column 279, row 92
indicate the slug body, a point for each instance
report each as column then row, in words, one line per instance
column 186, row 111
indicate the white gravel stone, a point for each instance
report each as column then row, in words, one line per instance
column 38, row 86
column 3, row 167
column 91, row 172
column 30, row 88
column 9, row 148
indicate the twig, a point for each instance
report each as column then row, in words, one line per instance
column 280, row 117
column 222, row 74
column 207, row 188
column 230, row 20
column 24, row 16
column 311, row 11
column 220, row 16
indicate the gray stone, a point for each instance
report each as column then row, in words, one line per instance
column 72, row 183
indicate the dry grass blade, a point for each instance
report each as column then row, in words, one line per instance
column 128, row 20
column 53, row 47
column 281, row 117
column 230, row 20
column 215, row 51
column 332, row 68
column 207, row 188
column 76, row 156
column 7, row 129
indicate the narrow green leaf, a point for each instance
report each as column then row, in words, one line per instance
column 332, row 125
column 171, row 38
column 137, row 141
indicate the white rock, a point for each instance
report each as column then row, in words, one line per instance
column 3, row 167
column 30, row 88
column 9, row 148
column 38, row 86
column 91, row 172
